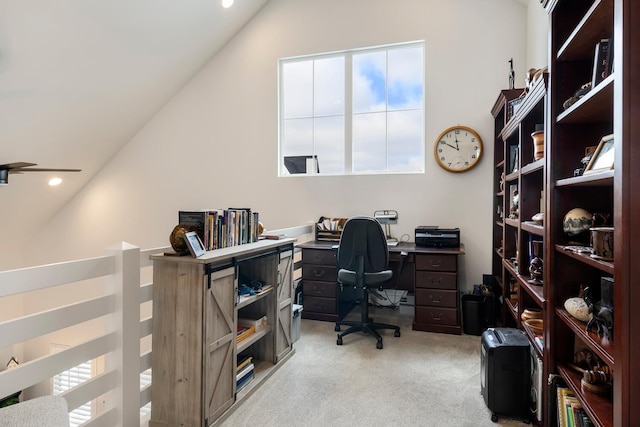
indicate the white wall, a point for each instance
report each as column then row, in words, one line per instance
column 537, row 35
column 214, row 145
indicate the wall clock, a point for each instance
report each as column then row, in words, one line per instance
column 458, row 149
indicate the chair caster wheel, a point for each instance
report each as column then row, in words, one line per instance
column 494, row 418
column 339, row 342
column 337, row 328
column 379, row 345
column 397, row 333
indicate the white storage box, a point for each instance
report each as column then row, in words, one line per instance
column 295, row 325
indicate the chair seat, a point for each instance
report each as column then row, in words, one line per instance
column 348, row 277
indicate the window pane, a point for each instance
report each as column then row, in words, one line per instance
column 329, row 138
column 369, row 82
column 406, row 150
column 328, row 78
column 297, row 89
column 369, row 143
column 405, row 78
column 297, row 137
column 297, row 140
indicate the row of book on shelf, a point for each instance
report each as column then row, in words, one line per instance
column 245, row 371
column 570, row 411
column 222, row 228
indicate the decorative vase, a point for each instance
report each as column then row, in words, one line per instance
column 602, row 242
column 538, row 144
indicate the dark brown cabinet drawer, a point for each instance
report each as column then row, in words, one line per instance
column 437, row 315
column 436, row 262
column 319, row 305
column 311, row 288
column 319, row 272
column 428, row 279
column 319, row 256
column 436, row 297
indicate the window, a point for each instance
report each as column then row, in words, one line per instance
column 69, row 379
column 353, row 112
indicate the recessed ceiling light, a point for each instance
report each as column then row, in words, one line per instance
column 55, row 181
column 227, row 3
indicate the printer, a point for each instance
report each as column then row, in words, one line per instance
column 430, row 236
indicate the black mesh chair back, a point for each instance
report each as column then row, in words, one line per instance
column 363, row 242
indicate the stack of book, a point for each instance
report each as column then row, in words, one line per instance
column 244, row 332
column 245, row 371
column 222, row 228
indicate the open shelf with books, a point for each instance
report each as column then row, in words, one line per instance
column 214, row 346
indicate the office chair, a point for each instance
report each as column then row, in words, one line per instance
column 362, row 260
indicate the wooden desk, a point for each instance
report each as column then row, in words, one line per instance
column 430, row 273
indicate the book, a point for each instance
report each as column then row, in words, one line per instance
column 244, row 332
column 561, row 405
column 249, row 368
column 600, row 64
column 243, row 361
column 244, row 381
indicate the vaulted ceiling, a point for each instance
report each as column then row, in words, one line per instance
column 79, row 78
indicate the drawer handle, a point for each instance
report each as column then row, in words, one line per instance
column 436, row 263
column 438, row 281
column 437, row 317
column 317, row 273
column 434, row 299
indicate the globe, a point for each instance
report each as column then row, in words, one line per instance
column 176, row 238
column 576, row 224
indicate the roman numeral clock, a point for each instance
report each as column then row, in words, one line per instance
column 458, row 149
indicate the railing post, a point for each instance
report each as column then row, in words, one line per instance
column 125, row 359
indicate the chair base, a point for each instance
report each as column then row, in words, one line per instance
column 370, row 328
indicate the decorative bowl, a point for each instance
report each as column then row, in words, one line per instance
column 531, row 313
column 535, row 325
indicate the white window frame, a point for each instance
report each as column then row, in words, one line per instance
column 348, row 112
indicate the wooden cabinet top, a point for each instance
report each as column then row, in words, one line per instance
column 227, row 254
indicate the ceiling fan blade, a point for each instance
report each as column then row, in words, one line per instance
column 16, row 165
column 21, row 170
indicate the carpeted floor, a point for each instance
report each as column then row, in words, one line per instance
column 418, row 379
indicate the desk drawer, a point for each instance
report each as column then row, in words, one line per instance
column 437, row 262
column 319, row 272
column 437, row 315
column 312, row 288
column 319, row 256
column 436, row 298
column 435, row 280
column 319, row 305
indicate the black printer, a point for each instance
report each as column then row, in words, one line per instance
column 430, row 236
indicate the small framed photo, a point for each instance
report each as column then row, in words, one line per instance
column 602, row 158
column 194, row 243
column 513, row 158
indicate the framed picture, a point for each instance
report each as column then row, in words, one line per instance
column 513, row 158
column 602, row 158
column 194, row 243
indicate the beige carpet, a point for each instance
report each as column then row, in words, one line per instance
column 418, row 379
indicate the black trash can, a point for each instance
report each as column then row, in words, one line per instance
column 477, row 313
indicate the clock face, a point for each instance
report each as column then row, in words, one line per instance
column 458, row 149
